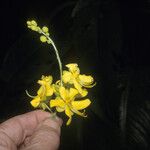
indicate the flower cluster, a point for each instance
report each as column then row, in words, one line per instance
column 44, row 31
column 67, row 94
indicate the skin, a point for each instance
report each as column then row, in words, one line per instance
column 36, row 130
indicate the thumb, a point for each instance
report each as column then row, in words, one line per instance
column 45, row 137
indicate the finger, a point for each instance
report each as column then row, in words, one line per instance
column 18, row 128
column 46, row 136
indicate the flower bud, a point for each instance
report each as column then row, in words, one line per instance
column 34, row 28
column 29, row 23
column 43, row 38
column 33, row 22
column 45, row 29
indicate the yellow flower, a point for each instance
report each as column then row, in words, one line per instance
column 66, row 102
column 74, row 77
column 44, row 91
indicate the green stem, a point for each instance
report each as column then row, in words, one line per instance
column 57, row 56
column 47, row 108
column 53, row 114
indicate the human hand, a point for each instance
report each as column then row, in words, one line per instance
column 31, row 131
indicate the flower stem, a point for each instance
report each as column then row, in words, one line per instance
column 57, row 56
column 53, row 113
column 47, row 107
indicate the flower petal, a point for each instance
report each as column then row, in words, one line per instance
column 35, row 102
column 79, row 105
column 41, row 91
column 60, row 109
column 63, row 93
column 77, row 86
column 49, row 90
column 56, row 89
column 69, row 113
column 73, row 68
column 78, row 112
column 67, row 77
column 84, row 92
column 72, row 93
column 45, row 79
column 57, row 103
column 85, row 80
column 90, row 86
column 69, row 121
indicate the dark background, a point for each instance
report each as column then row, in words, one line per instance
column 109, row 39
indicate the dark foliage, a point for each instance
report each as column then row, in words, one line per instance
column 109, row 39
